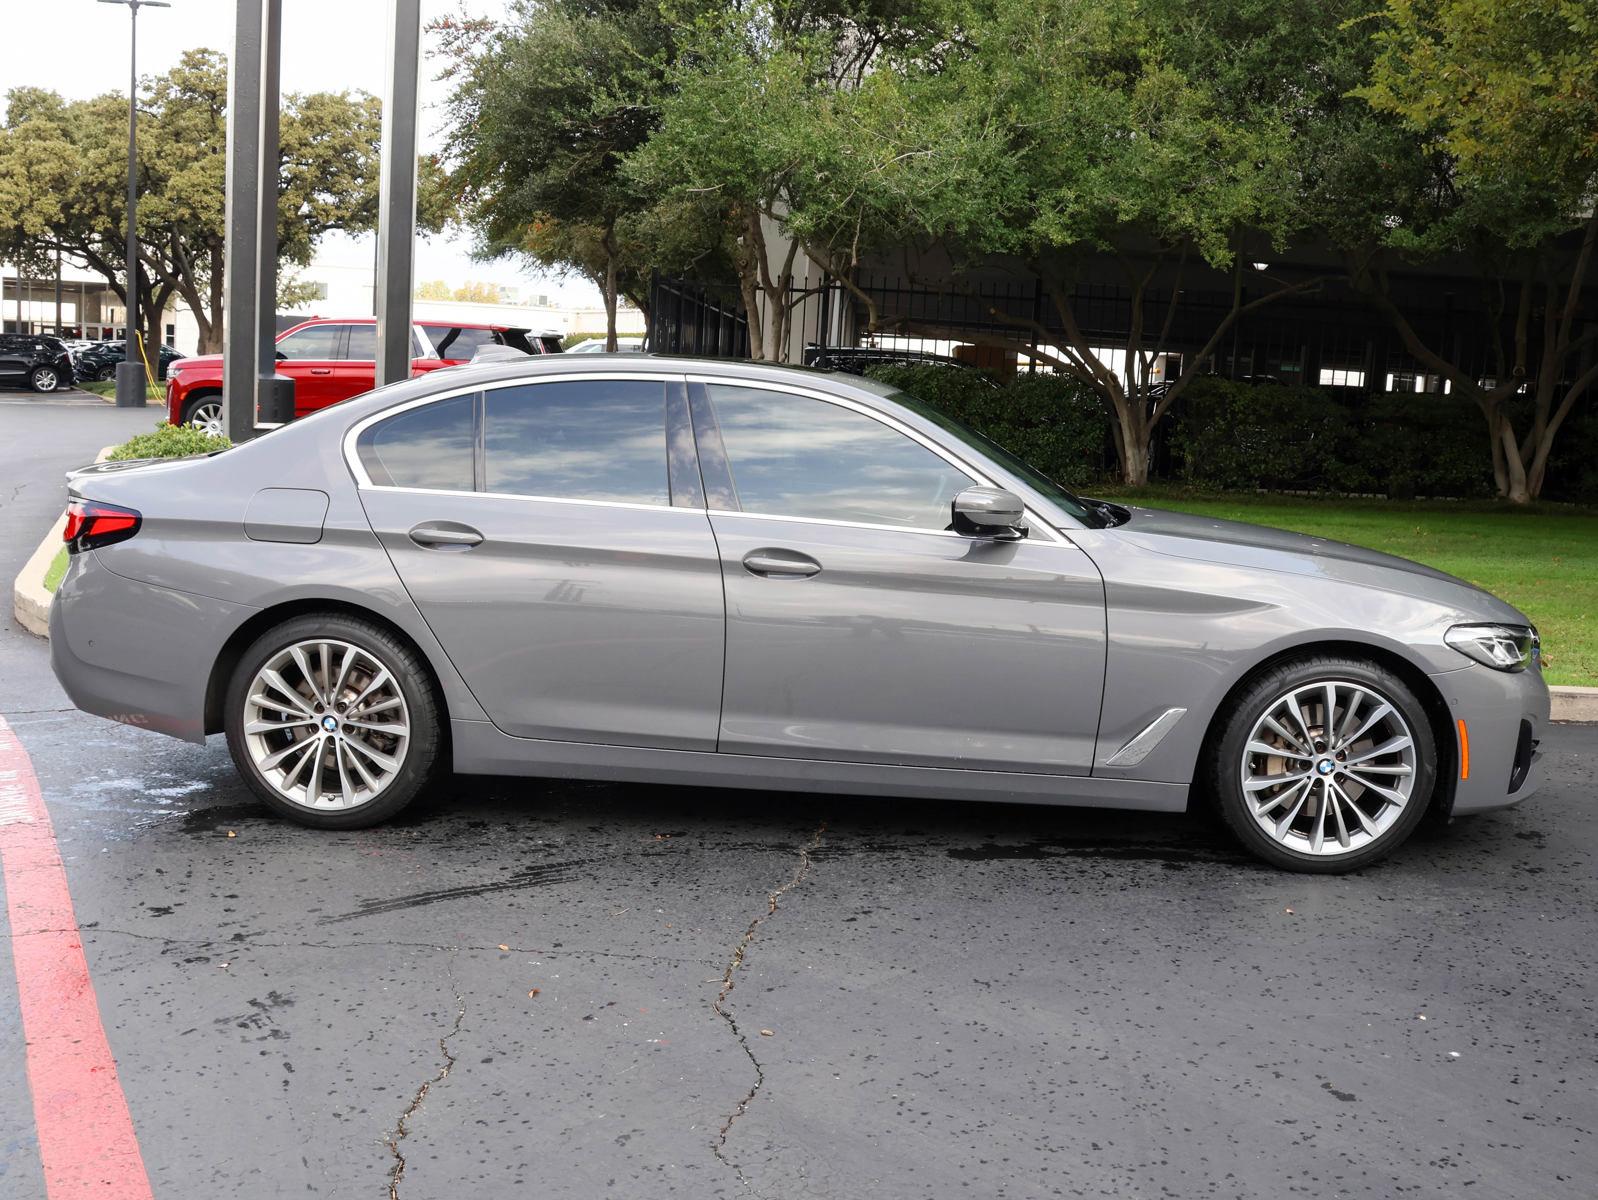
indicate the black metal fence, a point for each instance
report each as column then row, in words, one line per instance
column 1326, row 336
column 701, row 319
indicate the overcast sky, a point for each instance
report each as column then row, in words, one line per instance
column 80, row 48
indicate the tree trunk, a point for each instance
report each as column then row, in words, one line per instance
column 1517, row 492
column 610, row 299
column 1134, row 433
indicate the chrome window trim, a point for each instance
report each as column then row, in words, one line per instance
column 352, row 460
column 363, row 481
column 980, row 478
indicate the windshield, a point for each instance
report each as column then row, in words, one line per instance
column 1088, row 514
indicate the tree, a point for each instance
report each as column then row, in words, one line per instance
column 432, row 289
column 545, row 107
column 1500, row 103
column 328, row 181
column 768, row 122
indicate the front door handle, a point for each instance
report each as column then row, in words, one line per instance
column 321, row 370
column 772, row 563
column 445, row 537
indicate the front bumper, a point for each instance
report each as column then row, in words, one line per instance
column 1504, row 715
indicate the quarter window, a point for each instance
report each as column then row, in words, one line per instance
column 314, row 342
column 427, row 447
column 591, row 439
column 458, row 344
column 795, row 456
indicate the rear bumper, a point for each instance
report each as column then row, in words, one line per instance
column 137, row 653
column 1504, row 716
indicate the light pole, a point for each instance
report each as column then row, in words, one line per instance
column 130, row 371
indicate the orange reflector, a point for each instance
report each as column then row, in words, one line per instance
column 1464, row 750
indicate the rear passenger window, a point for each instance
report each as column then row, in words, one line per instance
column 591, row 439
column 428, row 447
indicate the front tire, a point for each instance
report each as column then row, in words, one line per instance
column 44, row 379
column 1324, row 764
column 205, row 414
column 333, row 722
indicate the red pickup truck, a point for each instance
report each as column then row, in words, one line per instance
column 333, row 358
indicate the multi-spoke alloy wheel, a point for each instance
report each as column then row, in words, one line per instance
column 1324, row 764
column 206, row 416
column 326, row 723
column 334, row 720
column 1329, row 767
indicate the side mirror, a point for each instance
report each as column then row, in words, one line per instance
column 990, row 512
column 279, row 356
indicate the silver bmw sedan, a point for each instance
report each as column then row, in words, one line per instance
column 733, row 574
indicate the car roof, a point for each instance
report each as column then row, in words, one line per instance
column 453, row 324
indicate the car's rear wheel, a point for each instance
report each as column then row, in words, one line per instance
column 205, row 414
column 44, row 379
column 104, row 373
column 333, row 721
column 1324, row 764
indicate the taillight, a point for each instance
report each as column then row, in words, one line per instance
column 92, row 524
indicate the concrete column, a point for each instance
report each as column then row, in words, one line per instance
column 241, row 294
column 396, row 229
column 274, row 392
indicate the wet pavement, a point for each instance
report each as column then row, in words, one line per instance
column 521, row 988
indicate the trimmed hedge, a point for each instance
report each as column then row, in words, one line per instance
column 1233, row 436
column 168, row 441
column 1053, row 422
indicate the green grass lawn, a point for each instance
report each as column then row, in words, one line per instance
column 100, row 387
column 1544, row 560
column 57, row 568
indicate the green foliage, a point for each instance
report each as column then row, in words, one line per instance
column 1052, row 422
column 168, row 441
column 1237, row 436
column 63, row 182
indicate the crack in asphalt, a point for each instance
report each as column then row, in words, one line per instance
column 773, row 899
column 402, row 1126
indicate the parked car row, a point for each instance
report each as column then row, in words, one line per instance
column 48, row 364
column 331, row 359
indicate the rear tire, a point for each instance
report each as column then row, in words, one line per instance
column 333, row 721
column 1323, row 796
column 45, row 379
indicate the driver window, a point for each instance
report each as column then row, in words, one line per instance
column 795, row 456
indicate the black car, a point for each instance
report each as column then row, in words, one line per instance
column 43, row 363
column 100, row 362
column 857, row 360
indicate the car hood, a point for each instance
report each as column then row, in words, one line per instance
column 197, row 362
column 1235, row 543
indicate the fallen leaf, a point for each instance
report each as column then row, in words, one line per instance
column 1288, row 911
column 534, row 992
column 504, row 947
column 230, row 833
column 767, row 1033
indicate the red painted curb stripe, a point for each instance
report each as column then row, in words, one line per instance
column 86, row 1138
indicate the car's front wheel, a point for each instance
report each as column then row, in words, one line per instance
column 1324, row 764
column 205, row 414
column 45, row 379
column 333, row 721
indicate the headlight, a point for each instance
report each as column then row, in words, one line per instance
column 1501, row 647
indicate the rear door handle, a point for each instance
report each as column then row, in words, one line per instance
column 321, row 370
column 772, row 563
column 445, row 537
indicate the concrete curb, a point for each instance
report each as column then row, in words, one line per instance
column 1575, row 703
column 30, row 602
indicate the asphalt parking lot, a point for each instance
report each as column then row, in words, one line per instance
column 522, row 987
